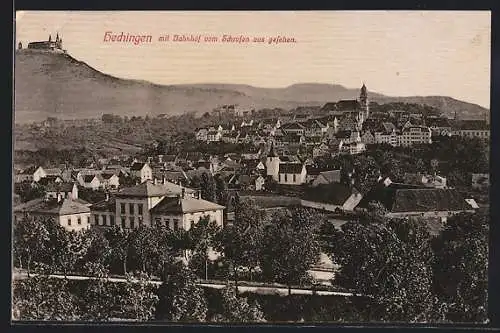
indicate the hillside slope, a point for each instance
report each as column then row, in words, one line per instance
column 61, row 86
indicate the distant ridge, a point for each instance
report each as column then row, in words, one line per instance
column 58, row 85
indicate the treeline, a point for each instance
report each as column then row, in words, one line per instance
column 423, row 109
column 455, row 158
column 78, row 157
column 411, row 275
column 248, row 247
column 177, row 299
column 404, row 272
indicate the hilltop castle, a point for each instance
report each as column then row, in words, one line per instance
column 48, row 45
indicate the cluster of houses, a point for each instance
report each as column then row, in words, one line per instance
column 346, row 126
column 161, row 190
column 162, row 196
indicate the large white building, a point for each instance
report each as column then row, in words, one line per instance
column 134, row 206
column 415, row 135
column 65, row 208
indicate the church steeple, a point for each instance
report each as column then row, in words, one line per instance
column 363, row 99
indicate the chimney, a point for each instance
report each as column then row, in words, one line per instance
column 183, row 192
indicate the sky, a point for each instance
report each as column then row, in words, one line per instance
column 396, row 53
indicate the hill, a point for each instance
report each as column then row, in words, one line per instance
column 60, row 86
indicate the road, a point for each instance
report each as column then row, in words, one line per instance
column 263, row 290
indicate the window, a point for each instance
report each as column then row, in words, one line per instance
column 131, row 209
column 123, row 222
column 132, row 222
column 176, row 224
column 112, row 220
column 69, row 221
column 294, row 177
column 122, row 208
column 286, row 178
column 158, row 221
column 139, row 208
column 79, row 220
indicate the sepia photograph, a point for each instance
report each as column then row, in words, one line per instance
column 255, row 167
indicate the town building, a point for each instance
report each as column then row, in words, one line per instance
column 292, row 174
column 48, row 45
column 405, row 200
column 69, row 211
column 40, row 173
column 327, row 177
column 333, row 197
column 413, row 135
column 184, row 211
column 141, row 171
column 130, row 207
column 472, row 129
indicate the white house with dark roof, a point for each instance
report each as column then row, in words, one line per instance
column 182, row 212
column 141, row 171
column 94, row 182
column 72, row 214
column 133, row 204
column 292, row 174
column 41, row 172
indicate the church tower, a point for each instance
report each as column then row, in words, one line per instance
column 363, row 99
column 272, row 163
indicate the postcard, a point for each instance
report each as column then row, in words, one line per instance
column 251, row 166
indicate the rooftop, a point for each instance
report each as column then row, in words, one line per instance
column 148, row 189
column 399, row 198
column 291, row 168
column 184, row 205
column 53, row 207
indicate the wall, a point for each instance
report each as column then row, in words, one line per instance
column 147, row 204
column 186, row 220
column 104, row 219
column 320, row 205
column 84, row 218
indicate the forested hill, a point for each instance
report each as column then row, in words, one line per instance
column 57, row 85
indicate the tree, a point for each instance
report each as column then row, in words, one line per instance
column 140, row 297
column 70, row 248
column 221, row 190
column 291, row 246
column 29, row 192
column 390, row 263
column 43, row 298
column 461, row 267
column 30, row 240
column 180, row 299
column 208, row 188
column 238, row 309
column 99, row 249
column 118, row 241
column 143, row 245
column 98, row 295
column 242, row 241
column 201, row 238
